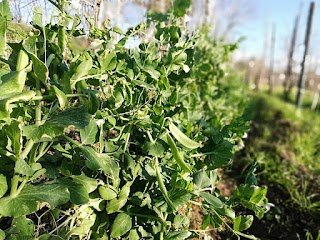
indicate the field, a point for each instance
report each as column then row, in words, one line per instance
column 140, row 134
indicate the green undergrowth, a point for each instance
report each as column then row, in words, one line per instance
column 285, row 143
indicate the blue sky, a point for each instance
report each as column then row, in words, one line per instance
column 282, row 14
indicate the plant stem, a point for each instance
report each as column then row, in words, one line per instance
column 27, row 149
column 71, row 140
column 38, row 103
column 21, row 186
column 127, row 138
column 14, row 185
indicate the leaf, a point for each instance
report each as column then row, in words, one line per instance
column 12, row 83
column 107, row 193
column 3, row 29
column 212, row 200
column 83, row 69
column 33, row 198
column 154, row 149
column 202, row 180
column 56, row 124
column 62, row 97
column 14, row 133
column 180, row 7
column 182, row 138
column 181, row 221
column 108, row 62
column 89, row 183
column 242, row 222
column 78, row 193
column 37, row 16
column 134, row 235
column 88, row 133
column 97, row 161
column 5, row 10
column 23, row 168
column 40, row 70
column 3, row 185
column 121, row 225
column 2, row 234
column 178, row 235
column 151, row 70
column 21, row 228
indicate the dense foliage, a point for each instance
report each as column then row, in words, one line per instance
column 107, row 139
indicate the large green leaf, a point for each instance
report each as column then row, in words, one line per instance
column 5, row 10
column 37, row 16
column 3, row 185
column 201, row 179
column 21, row 167
column 90, row 184
column 212, row 200
column 12, row 83
column 33, row 198
column 56, row 124
column 97, row 161
column 82, row 69
column 14, row 133
column 108, row 62
column 21, row 228
column 121, row 225
column 88, row 133
column 40, row 70
column 78, row 192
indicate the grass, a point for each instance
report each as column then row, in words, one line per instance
column 285, row 142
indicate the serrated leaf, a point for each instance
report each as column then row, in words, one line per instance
column 212, row 200
column 88, row 133
column 121, row 225
column 242, row 222
column 3, row 185
column 182, row 138
column 78, row 193
column 33, row 198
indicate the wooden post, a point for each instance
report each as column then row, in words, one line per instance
column 301, row 82
column 272, row 50
column 288, row 82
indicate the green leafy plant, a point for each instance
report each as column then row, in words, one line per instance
column 114, row 142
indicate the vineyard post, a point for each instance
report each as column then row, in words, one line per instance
column 288, row 82
column 272, row 50
column 301, row 82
